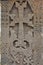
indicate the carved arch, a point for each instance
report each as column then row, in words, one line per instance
column 11, row 3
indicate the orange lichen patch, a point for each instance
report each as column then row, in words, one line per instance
column 37, row 5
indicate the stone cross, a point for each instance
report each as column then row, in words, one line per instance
column 20, row 8
column 22, row 20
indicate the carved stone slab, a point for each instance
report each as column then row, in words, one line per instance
column 21, row 34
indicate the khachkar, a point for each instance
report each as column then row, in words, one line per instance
column 21, row 36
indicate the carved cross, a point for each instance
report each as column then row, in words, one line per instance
column 22, row 20
column 20, row 8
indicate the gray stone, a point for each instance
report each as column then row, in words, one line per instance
column 21, row 33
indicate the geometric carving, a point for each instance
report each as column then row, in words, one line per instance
column 21, row 31
column 20, row 34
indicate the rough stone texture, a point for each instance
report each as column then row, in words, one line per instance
column 22, row 42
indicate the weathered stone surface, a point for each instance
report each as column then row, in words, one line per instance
column 21, row 32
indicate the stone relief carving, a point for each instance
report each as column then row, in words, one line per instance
column 20, row 32
column 21, row 25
